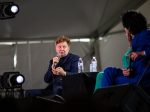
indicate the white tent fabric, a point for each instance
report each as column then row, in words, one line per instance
column 46, row 19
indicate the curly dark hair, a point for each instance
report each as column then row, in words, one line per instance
column 134, row 21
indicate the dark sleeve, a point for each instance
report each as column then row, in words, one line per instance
column 147, row 51
column 73, row 65
column 48, row 74
column 145, row 46
column 142, row 44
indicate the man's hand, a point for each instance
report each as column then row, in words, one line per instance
column 59, row 71
column 55, row 60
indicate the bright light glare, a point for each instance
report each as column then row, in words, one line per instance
column 100, row 38
column 80, row 40
column 14, row 9
column 19, row 79
column 15, row 60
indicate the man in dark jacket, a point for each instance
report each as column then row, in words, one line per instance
column 64, row 63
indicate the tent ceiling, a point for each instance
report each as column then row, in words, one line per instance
column 46, row 19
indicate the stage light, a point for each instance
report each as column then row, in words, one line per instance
column 11, row 9
column 12, row 80
column 8, row 10
column 16, row 80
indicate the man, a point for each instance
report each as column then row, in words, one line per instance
column 64, row 63
column 135, row 27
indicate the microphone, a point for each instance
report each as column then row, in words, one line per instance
column 55, row 62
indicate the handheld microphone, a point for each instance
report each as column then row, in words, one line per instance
column 55, row 64
column 56, row 61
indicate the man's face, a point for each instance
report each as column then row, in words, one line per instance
column 62, row 49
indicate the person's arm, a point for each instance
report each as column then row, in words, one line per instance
column 59, row 71
column 147, row 52
column 72, row 67
column 134, row 55
column 141, row 47
column 48, row 74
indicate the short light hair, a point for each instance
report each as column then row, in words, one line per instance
column 63, row 38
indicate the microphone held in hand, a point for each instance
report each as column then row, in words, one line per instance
column 55, row 61
column 55, row 64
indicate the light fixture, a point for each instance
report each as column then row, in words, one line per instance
column 16, row 80
column 8, row 10
column 11, row 80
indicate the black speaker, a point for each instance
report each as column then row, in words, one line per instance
column 79, row 86
column 121, row 98
column 74, row 87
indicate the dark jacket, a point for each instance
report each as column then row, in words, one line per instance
column 70, row 64
column 141, row 65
